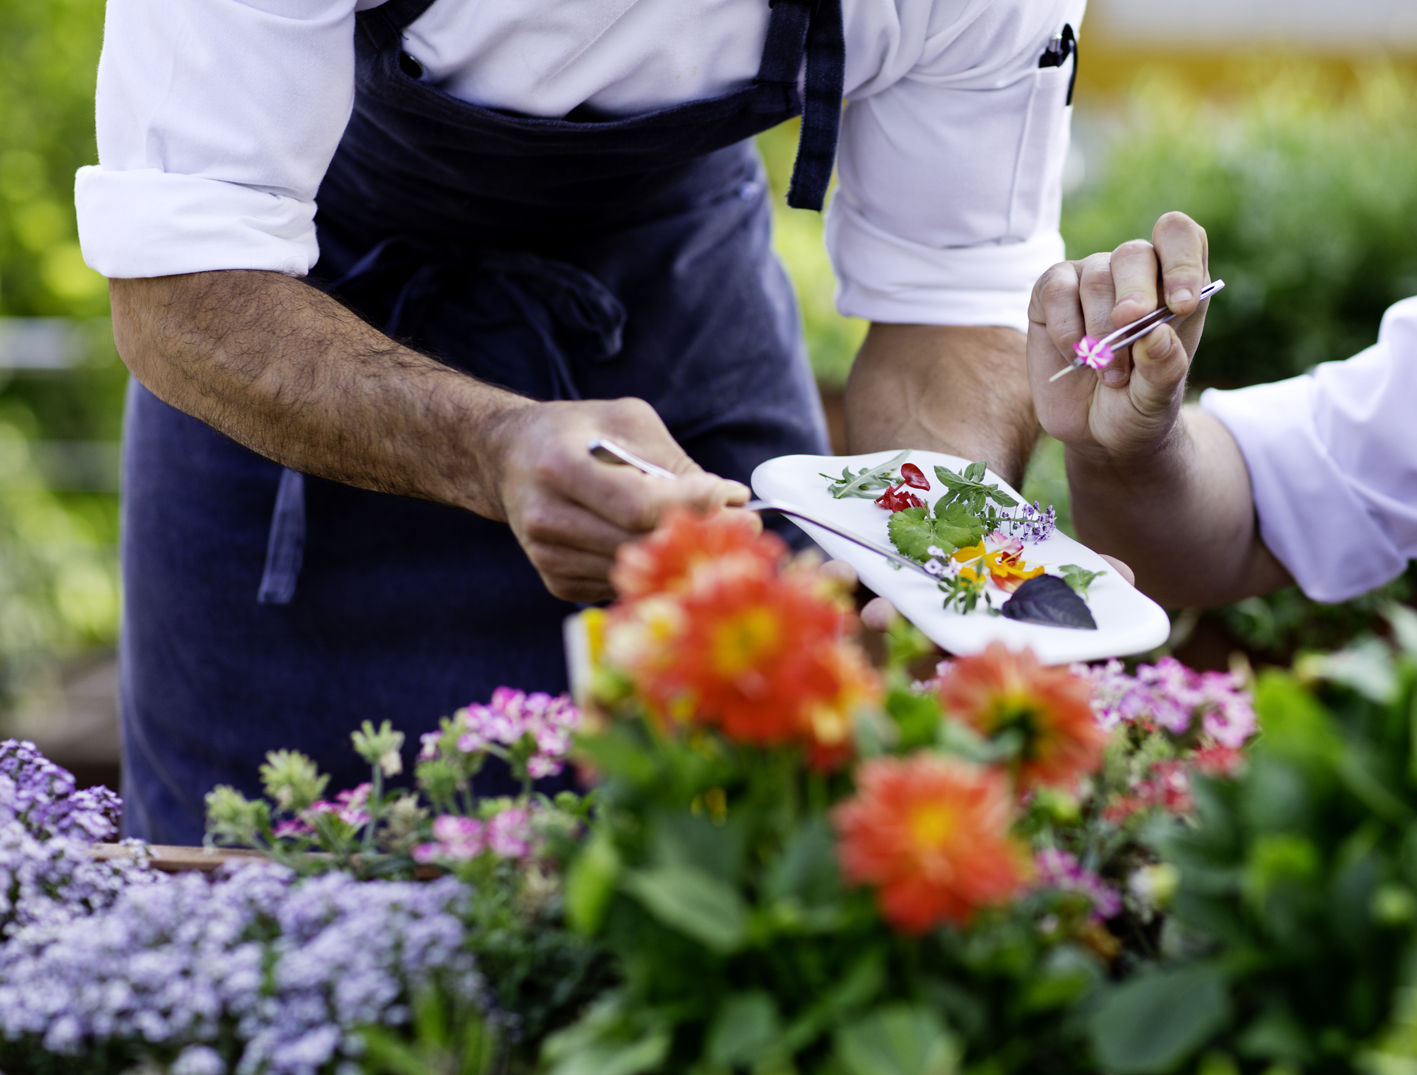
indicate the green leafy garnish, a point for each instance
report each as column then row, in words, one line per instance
column 973, row 494
column 913, row 532
column 1079, row 578
column 955, row 526
column 963, row 593
column 863, row 483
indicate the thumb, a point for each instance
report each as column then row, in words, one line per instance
column 1159, row 365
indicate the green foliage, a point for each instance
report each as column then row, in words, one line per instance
column 1295, row 921
column 1304, row 190
column 58, row 514
column 832, row 340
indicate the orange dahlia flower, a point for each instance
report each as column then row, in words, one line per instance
column 762, row 654
column 687, row 546
column 931, row 833
column 1003, row 690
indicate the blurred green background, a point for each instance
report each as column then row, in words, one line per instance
column 1300, row 171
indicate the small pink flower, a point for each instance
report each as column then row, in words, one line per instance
column 508, row 834
column 455, row 838
column 429, row 748
column 1093, row 352
column 1006, row 543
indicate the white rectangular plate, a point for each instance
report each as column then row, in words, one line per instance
column 1127, row 620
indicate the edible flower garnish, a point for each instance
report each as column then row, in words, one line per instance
column 1091, row 351
column 1005, row 566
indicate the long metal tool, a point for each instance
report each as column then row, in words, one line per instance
column 611, row 452
column 1090, row 351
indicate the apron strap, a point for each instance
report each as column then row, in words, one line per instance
column 285, row 547
column 812, row 28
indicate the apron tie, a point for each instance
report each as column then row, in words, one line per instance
column 812, row 28
column 572, row 315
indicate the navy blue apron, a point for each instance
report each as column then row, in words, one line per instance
column 583, row 257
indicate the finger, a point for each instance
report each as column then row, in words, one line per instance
column 1122, row 569
column 1135, row 273
column 580, row 591
column 841, row 573
column 1160, row 363
column 1098, row 288
column 634, row 502
column 878, row 614
column 1055, row 308
column 1184, row 253
column 570, row 573
column 546, row 518
column 1097, row 293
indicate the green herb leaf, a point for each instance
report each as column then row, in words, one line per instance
column 866, row 480
column 970, row 490
column 1079, row 578
column 911, row 533
column 955, row 526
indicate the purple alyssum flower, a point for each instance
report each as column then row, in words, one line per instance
column 288, row 970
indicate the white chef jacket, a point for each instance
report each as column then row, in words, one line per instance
column 1332, row 456
column 218, row 118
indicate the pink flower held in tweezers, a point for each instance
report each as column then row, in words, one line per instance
column 1093, row 352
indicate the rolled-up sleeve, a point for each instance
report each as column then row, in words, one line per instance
column 950, row 168
column 216, row 122
column 1332, row 457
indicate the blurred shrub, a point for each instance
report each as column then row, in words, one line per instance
column 58, row 517
column 832, row 340
column 1304, row 187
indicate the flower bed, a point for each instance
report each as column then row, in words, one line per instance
column 787, row 860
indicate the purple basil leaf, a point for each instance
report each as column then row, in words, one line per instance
column 1048, row 599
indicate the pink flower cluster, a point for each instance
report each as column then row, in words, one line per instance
column 507, row 835
column 351, row 807
column 1171, row 696
column 507, row 719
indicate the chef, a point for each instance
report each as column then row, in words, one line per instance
column 381, row 271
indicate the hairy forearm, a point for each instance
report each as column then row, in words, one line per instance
column 956, row 389
column 1182, row 518
column 290, row 373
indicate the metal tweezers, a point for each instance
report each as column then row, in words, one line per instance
column 609, row 451
column 1098, row 354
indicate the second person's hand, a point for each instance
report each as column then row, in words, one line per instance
column 1131, row 406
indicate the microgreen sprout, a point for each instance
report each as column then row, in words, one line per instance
column 867, row 480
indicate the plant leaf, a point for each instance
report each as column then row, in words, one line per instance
column 1079, row 578
column 745, row 1027
column 956, row 526
column 911, row 533
column 897, row 1040
column 695, row 903
column 1049, row 600
column 1156, row 1020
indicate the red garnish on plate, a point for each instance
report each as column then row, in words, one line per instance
column 913, row 476
column 897, row 499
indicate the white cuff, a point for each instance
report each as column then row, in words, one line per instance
column 146, row 222
column 1311, row 515
column 885, row 278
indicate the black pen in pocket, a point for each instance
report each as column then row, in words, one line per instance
column 1063, row 44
